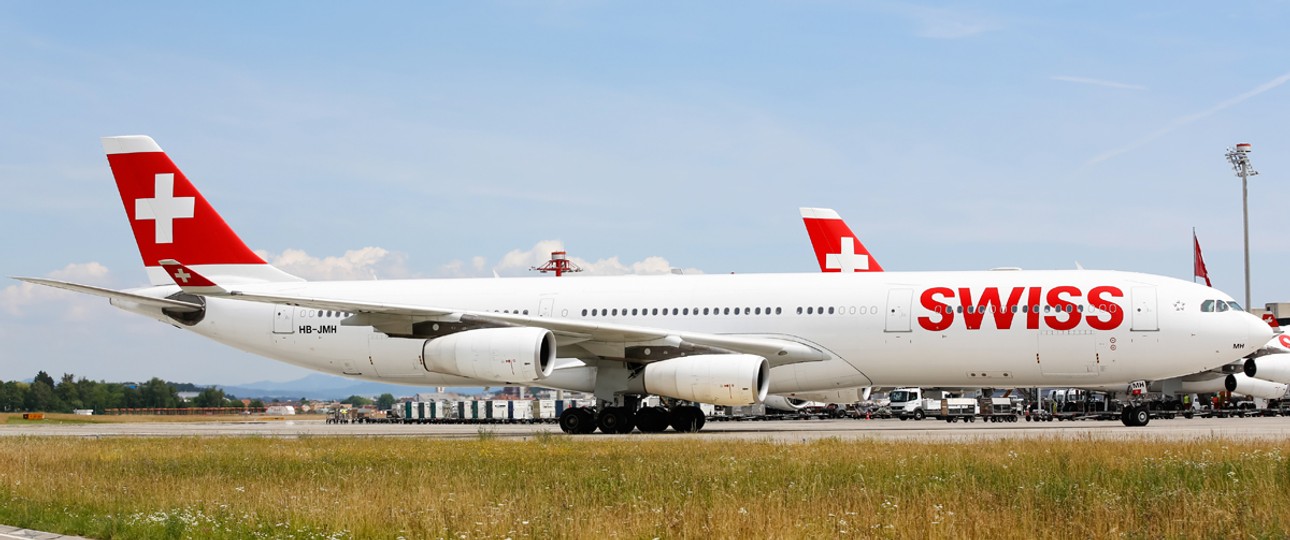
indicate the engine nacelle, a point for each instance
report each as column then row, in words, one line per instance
column 1259, row 388
column 506, row 355
column 1270, row 367
column 785, row 403
column 1205, row 386
column 719, row 379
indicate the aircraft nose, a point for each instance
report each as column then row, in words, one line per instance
column 1258, row 332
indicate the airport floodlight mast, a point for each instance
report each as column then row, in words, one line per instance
column 1240, row 160
column 559, row 263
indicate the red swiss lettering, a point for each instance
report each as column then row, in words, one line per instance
column 1098, row 298
column 989, row 302
column 1067, row 317
column 1062, row 303
column 929, row 302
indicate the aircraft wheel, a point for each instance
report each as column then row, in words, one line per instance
column 616, row 420
column 1141, row 416
column 687, row 419
column 576, row 421
column 651, row 420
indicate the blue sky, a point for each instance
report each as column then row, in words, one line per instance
column 457, row 139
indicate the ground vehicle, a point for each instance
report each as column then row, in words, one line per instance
column 918, row 403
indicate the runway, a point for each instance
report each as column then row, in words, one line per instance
column 1270, row 428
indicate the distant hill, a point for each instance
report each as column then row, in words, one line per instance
column 323, row 387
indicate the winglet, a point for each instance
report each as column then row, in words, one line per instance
column 189, row 280
column 836, row 247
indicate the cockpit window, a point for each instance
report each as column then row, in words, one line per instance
column 1222, row 306
column 1207, row 306
column 1235, row 306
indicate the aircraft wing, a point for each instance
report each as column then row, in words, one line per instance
column 165, row 303
column 597, row 338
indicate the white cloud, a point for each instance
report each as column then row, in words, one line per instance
column 356, row 264
column 17, row 299
column 1098, row 82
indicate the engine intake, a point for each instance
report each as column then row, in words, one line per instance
column 719, row 379
column 507, row 355
column 1270, row 367
column 1259, row 388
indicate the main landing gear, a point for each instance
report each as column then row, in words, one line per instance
column 617, row 419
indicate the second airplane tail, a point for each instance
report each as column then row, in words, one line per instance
column 171, row 220
column 836, row 247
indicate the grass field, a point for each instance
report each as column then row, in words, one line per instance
column 555, row 487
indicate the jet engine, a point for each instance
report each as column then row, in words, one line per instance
column 1259, row 388
column 785, row 403
column 720, row 379
column 1270, row 367
column 508, row 355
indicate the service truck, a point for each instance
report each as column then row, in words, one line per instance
column 919, row 403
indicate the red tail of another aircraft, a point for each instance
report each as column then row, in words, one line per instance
column 836, row 247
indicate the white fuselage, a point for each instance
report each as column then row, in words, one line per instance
column 880, row 329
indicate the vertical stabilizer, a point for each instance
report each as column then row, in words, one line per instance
column 171, row 219
column 836, row 247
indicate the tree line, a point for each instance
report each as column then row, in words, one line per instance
column 44, row 394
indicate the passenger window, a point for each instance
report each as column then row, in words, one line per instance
column 685, row 311
column 830, row 310
column 778, row 311
column 799, row 310
column 759, row 311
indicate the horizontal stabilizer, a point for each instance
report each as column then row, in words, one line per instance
column 164, row 303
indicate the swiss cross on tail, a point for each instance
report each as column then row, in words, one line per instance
column 836, row 247
column 171, row 220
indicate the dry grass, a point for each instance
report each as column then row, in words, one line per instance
column 642, row 488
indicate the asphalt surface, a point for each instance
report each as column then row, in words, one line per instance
column 1269, row 428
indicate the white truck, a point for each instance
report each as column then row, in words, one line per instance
column 918, row 403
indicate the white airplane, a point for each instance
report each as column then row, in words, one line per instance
column 838, row 249
column 721, row 339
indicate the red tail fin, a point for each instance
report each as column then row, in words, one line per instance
column 836, row 247
column 171, row 219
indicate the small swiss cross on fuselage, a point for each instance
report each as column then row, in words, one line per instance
column 164, row 207
column 848, row 260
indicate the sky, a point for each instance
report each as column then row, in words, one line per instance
column 456, row 139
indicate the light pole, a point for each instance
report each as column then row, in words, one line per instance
column 1240, row 160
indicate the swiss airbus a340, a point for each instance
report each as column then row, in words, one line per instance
column 721, row 339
